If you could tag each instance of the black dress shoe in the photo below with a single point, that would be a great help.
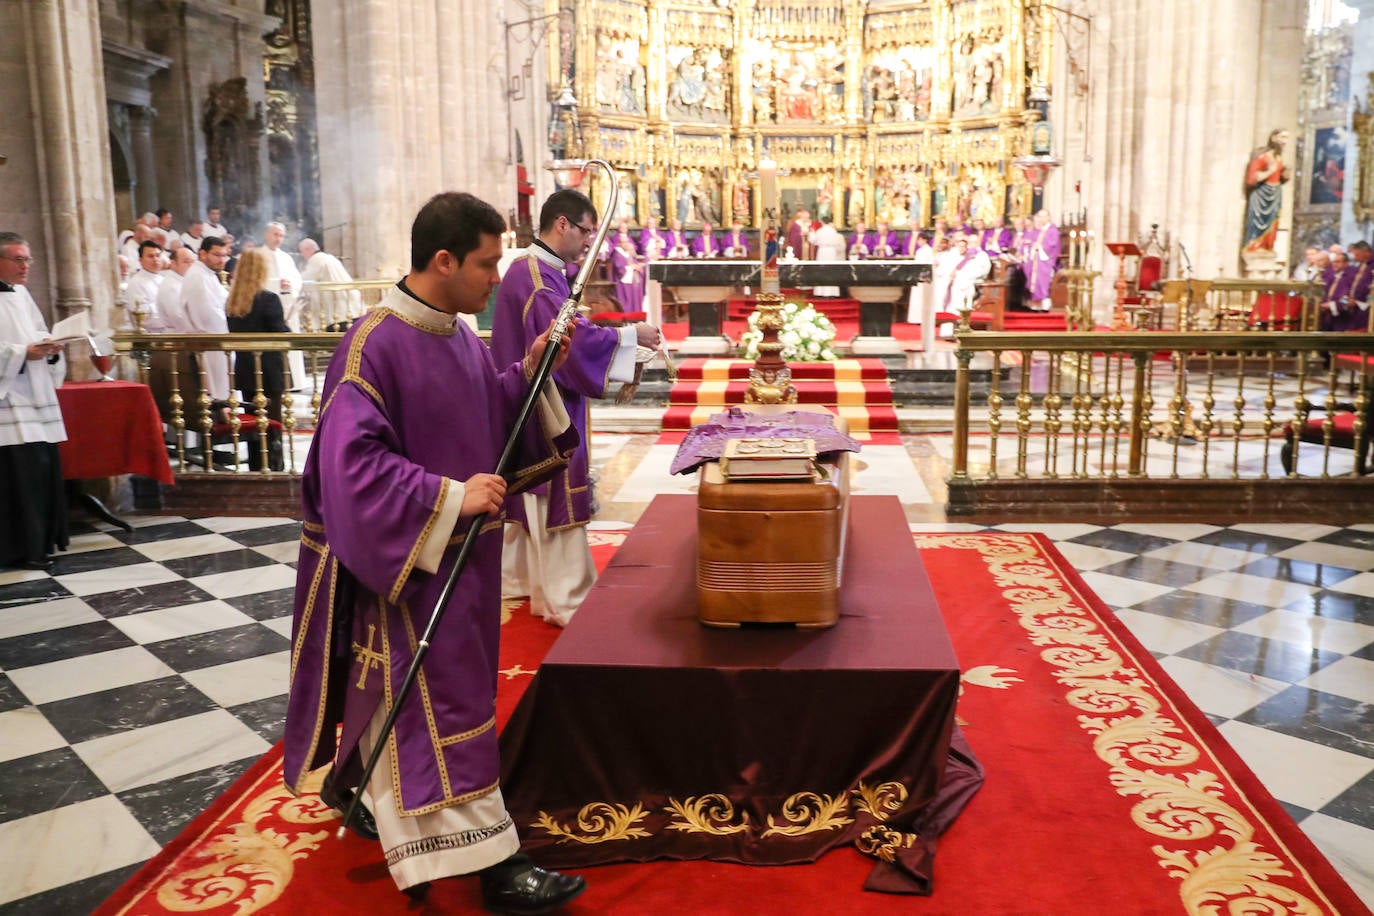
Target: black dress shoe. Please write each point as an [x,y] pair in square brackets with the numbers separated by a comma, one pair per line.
[43,565]
[362,823]
[520,887]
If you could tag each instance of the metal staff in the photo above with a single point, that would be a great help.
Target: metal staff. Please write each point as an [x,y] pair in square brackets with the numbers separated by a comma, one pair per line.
[541,374]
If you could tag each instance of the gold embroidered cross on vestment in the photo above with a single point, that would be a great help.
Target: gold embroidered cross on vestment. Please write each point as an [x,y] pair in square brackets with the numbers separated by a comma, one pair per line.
[369,657]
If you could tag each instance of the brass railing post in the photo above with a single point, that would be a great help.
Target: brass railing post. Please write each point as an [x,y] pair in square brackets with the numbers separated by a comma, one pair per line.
[1140,420]
[961,411]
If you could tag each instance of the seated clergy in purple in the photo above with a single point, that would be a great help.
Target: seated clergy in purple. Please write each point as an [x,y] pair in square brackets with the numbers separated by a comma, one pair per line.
[652,243]
[705,244]
[737,243]
[996,238]
[415,413]
[1357,317]
[546,553]
[1336,302]
[884,242]
[861,242]
[677,241]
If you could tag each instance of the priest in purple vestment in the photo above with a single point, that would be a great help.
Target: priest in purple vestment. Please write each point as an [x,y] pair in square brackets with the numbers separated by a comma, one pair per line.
[705,244]
[628,268]
[737,243]
[415,414]
[1041,260]
[884,242]
[546,553]
[1335,307]
[652,244]
[798,233]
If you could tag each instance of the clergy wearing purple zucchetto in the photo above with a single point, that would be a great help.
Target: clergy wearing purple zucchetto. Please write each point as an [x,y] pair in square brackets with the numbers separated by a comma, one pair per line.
[416,412]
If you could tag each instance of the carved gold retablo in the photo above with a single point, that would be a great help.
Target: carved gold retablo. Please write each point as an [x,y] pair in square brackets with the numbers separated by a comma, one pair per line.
[770,381]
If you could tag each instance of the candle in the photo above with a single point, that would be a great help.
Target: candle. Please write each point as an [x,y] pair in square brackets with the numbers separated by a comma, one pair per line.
[768,183]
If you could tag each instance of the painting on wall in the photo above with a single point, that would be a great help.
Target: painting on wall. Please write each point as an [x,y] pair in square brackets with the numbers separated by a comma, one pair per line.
[1326,166]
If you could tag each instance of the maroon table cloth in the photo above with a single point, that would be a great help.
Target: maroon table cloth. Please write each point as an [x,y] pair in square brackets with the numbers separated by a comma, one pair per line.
[646,735]
[113,428]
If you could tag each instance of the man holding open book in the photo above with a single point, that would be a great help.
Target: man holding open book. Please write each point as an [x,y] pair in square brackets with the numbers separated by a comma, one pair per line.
[33,508]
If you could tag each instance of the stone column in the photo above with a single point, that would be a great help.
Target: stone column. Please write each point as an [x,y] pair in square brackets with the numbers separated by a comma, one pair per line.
[145,163]
[1178,96]
[74,233]
[408,106]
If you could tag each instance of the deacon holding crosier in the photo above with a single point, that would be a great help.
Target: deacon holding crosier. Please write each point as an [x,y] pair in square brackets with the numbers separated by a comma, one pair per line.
[547,556]
[416,412]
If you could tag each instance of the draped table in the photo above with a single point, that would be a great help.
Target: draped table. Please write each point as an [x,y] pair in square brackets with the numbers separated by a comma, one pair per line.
[113,428]
[645,735]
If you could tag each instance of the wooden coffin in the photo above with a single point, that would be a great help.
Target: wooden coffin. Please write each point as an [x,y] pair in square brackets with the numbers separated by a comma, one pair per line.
[771,551]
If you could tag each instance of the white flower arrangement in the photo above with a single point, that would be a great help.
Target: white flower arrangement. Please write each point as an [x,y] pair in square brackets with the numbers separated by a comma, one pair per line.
[806,335]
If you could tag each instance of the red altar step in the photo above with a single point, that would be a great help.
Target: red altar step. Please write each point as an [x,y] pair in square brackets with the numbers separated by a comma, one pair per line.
[855,389]
[1034,321]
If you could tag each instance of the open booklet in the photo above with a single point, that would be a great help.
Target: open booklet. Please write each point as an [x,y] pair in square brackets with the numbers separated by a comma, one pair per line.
[72,328]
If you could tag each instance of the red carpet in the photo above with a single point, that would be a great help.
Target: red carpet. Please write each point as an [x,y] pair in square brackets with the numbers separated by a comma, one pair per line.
[1107,791]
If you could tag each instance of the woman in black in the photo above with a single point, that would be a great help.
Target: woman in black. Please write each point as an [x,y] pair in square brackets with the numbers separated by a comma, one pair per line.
[255,310]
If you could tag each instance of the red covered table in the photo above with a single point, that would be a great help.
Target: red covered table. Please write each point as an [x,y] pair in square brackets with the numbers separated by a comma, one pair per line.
[646,735]
[113,428]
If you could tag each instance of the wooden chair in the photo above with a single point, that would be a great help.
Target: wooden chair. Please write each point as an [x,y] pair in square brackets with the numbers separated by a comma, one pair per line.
[1342,434]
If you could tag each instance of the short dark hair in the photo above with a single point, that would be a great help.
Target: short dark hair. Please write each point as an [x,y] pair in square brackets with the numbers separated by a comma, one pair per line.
[160,212]
[568,202]
[145,245]
[454,222]
[1361,245]
[212,241]
[11,238]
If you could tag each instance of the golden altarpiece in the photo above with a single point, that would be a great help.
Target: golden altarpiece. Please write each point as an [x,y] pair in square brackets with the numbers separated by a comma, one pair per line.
[896,111]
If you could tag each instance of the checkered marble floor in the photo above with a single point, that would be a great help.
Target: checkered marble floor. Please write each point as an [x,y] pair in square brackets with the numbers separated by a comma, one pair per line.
[148,671]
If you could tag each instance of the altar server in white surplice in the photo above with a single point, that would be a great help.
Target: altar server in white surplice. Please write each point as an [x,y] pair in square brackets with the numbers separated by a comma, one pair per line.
[946,259]
[203,298]
[33,510]
[972,268]
[829,245]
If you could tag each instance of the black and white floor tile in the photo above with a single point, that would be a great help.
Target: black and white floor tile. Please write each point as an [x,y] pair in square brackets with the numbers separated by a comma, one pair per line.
[148,670]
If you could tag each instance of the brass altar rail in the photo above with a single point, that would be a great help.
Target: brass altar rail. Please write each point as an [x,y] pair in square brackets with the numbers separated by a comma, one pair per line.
[1088,414]
[265,425]
[1230,304]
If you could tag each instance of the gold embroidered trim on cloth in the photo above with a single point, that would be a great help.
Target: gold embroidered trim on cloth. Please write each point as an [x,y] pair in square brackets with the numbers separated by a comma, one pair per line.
[1151,755]
[801,814]
[598,822]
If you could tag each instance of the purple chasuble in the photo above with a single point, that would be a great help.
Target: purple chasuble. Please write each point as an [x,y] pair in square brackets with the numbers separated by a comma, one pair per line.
[1042,258]
[677,244]
[884,245]
[860,245]
[629,280]
[651,243]
[705,246]
[527,301]
[407,408]
[1338,292]
[739,242]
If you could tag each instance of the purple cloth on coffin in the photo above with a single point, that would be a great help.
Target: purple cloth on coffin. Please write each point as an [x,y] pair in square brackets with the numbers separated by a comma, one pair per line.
[706,441]
[385,443]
